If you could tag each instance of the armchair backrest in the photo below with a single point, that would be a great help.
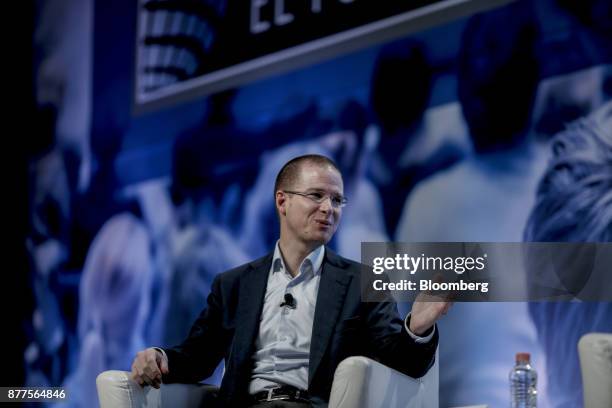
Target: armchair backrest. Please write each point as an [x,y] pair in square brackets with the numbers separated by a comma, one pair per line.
[360,382]
[595,351]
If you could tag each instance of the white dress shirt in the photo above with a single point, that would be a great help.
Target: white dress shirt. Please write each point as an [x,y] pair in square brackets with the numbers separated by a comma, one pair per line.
[282,348]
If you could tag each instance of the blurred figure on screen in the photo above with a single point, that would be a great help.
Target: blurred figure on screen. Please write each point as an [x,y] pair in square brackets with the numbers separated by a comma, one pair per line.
[486,197]
[190,216]
[364,221]
[497,79]
[192,242]
[405,154]
[202,247]
[47,242]
[574,204]
[114,300]
[58,152]
[586,44]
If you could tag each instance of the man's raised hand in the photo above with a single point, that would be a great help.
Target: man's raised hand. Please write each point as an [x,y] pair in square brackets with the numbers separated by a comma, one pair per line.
[426,310]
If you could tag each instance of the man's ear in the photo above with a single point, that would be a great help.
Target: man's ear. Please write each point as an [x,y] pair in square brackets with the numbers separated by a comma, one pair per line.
[281,199]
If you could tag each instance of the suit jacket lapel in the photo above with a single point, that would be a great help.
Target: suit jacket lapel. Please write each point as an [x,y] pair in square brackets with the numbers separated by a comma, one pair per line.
[332,291]
[250,304]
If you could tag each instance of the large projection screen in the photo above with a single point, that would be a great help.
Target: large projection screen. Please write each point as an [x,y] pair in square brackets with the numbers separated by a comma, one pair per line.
[190,48]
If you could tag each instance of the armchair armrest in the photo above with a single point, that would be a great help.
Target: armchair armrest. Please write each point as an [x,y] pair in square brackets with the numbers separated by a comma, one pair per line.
[117,390]
[360,382]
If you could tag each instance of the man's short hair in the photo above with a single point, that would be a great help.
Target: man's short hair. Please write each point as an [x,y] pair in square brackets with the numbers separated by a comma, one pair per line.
[574,199]
[289,174]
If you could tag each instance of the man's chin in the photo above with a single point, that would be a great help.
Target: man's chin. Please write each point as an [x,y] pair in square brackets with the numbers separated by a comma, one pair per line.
[324,239]
[321,239]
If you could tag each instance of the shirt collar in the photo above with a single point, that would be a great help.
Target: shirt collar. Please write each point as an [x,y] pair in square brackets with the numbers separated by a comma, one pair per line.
[315,258]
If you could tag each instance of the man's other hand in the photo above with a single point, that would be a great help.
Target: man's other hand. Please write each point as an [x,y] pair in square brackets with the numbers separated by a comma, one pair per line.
[148,367]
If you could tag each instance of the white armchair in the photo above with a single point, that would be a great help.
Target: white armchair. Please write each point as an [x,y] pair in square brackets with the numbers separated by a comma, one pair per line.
[595,351]
[359,382]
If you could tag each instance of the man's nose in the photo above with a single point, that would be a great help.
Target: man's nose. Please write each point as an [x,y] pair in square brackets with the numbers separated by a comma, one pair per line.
[326,205]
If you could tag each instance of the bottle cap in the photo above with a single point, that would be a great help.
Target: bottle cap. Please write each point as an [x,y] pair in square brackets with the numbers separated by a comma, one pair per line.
[523,357]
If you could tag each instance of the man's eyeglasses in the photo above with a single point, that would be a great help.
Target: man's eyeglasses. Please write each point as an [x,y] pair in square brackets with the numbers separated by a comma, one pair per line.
[337,201]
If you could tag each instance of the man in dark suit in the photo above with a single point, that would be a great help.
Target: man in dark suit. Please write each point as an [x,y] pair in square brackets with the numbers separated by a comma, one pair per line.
[284,322]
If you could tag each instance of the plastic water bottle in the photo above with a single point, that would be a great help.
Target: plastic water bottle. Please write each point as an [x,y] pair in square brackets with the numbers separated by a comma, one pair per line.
[523,380]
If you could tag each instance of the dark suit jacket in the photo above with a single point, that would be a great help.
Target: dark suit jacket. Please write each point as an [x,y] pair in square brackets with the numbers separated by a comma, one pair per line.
[343,327]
